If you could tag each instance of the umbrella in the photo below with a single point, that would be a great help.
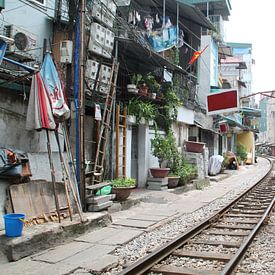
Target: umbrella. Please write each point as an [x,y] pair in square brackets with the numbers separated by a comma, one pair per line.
[54,88]
[39,114]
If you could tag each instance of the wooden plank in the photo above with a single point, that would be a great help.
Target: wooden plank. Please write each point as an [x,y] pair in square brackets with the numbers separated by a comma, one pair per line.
[243,215]
[228,232]
[248,227]
[98,186]
[236,220]
[217,243]
[203,255]
[35,198]
[240,211]
[176,270]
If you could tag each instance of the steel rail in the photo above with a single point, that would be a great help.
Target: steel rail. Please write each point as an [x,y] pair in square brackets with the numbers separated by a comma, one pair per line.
[144,264]
[232,264]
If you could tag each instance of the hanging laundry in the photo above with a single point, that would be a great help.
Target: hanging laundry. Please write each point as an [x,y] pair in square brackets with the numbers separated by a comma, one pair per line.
[148,23]
[138,17]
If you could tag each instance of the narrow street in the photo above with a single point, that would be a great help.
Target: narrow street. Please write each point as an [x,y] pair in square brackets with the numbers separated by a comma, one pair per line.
[158,218]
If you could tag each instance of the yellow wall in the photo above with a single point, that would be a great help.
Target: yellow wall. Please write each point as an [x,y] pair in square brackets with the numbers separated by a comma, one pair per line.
[247,139]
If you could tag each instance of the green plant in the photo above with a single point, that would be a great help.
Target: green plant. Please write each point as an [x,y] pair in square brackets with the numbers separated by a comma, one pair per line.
[241,152]
[124,182]
[141,109]
[226,161]
[136,79]
[170,109]
[152,83]
[162,146]
[175,56]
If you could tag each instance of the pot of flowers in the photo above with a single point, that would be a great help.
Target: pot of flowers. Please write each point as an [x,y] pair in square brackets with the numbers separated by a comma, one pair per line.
[173,180]
[122,188]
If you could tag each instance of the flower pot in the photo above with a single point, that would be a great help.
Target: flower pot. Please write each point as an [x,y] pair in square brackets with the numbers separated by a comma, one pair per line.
[173,181]
[132,88]
[195,147]
[159,172]
[131,119]
[122,193]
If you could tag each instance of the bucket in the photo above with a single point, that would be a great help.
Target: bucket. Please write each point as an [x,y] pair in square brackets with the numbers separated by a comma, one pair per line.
[13,224]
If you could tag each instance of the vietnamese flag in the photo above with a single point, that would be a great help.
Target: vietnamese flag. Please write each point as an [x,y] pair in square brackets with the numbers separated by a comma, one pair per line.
[196,55]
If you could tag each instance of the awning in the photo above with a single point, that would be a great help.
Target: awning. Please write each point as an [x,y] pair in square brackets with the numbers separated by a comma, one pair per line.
[224,51]
[131,50]
[186,11]
[251,111]
[199,125]
[194,15]
[222,7]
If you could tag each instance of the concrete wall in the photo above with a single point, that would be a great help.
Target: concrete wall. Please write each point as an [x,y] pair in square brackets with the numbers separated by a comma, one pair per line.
[208,68]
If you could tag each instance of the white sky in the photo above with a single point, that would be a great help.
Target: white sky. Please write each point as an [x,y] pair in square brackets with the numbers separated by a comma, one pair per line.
[252,21]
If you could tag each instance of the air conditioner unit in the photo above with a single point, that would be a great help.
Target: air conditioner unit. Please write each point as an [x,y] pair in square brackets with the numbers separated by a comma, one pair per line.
[66,51]
[24,42]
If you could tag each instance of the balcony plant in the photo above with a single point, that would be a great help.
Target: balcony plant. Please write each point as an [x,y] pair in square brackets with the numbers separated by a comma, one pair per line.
[123,187]
[170,109]
[135,82]
[143,111]
[153,85]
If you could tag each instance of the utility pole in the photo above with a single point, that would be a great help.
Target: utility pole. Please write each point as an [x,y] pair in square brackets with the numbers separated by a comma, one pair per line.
[81,114]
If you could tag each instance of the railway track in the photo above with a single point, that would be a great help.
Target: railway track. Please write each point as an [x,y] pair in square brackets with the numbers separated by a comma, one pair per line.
[219,242]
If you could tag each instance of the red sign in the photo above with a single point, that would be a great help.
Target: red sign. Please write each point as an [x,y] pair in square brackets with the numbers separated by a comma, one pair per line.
[223,127]
[222,102]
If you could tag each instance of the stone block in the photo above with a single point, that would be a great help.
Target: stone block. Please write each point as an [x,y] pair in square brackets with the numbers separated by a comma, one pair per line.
[100,206]
[62,252]
[157,188]
[100,199]
[162,180]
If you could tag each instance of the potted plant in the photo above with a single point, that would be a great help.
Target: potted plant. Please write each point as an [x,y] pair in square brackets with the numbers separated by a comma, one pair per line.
[122,187]
[241,153]
[143,111]
[153,85]
[135,81]
[173,180]
[161,148]
[193,146]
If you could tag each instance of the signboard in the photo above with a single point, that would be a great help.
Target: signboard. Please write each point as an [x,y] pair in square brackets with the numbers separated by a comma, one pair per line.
[223,102]
[223,127]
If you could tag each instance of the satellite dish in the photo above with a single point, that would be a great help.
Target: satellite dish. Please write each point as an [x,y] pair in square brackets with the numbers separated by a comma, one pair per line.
[21,41]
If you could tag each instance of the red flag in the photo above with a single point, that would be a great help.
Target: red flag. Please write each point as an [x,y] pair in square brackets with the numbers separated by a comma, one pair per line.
[196,55]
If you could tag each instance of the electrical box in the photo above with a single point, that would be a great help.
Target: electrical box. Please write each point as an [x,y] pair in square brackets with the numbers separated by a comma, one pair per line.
[2,4]
[66,51]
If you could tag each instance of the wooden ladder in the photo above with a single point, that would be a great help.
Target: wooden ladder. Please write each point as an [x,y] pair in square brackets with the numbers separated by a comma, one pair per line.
[98,168]
[121,135]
